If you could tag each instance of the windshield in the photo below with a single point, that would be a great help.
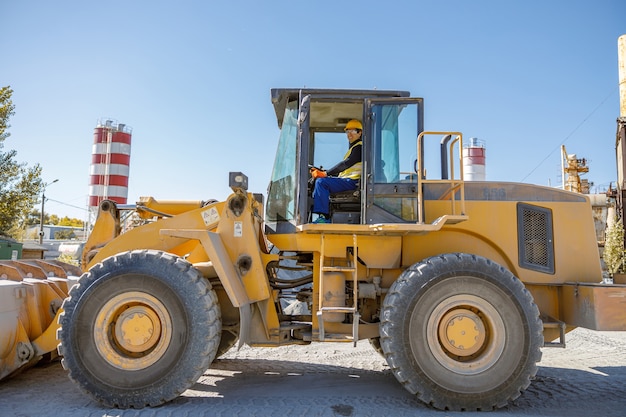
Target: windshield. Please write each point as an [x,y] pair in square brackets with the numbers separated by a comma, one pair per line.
[281,195]
[329,148]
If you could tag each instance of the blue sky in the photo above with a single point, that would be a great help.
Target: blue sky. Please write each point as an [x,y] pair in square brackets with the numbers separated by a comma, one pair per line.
[192,78]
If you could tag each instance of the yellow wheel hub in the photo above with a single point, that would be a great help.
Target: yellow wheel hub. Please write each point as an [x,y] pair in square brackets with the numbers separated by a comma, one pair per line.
[465,334]
[132,330]
[461,332]
[137,329]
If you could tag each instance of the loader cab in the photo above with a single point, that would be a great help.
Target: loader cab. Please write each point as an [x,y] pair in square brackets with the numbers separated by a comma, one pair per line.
[312,123]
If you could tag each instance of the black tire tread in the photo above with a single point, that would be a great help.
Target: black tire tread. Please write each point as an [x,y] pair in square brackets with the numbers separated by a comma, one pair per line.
[204,299]
[397,301]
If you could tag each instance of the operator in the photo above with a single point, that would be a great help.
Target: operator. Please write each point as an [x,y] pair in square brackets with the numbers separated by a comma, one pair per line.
[342,177]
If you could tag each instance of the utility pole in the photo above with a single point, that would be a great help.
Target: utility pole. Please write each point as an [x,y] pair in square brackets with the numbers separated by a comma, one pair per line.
[620,137]
[43,200]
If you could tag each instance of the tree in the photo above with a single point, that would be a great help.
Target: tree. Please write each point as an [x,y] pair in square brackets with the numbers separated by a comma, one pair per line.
[66,221]
[614,254]
[54,219]
[20,185]
[6,111]
[65,234]
[34,217]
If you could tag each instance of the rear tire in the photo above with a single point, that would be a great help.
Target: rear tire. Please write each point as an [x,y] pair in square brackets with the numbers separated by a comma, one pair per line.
[461,333]
[140,328]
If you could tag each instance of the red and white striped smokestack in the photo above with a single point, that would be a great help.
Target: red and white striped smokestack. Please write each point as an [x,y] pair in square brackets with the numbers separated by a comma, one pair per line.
[474,159]
[110,163]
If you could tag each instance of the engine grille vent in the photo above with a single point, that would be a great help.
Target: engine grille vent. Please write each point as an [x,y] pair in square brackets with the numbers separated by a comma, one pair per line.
[535,235]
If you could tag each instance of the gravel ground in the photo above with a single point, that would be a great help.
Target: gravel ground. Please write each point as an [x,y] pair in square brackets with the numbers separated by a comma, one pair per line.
[587,378]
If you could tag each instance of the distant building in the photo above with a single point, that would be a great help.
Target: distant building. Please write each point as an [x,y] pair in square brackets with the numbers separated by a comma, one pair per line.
[56,232]
[32,250]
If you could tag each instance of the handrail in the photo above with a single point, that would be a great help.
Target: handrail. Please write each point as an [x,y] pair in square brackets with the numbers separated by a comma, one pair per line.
[455,183]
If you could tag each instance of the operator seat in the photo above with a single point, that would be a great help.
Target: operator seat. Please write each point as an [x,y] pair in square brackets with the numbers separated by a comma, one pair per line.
[345,206]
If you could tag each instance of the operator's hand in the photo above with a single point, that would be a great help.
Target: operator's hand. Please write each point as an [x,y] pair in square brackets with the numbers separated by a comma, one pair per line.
[318,173]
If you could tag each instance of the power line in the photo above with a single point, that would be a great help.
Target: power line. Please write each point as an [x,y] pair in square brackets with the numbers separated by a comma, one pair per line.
[558,147]
[69,205]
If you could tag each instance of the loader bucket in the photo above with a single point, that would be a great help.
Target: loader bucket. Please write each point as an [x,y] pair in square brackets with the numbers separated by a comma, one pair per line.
[31,294]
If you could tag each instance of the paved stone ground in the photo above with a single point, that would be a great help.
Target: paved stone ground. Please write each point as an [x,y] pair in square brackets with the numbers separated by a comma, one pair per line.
[588,378]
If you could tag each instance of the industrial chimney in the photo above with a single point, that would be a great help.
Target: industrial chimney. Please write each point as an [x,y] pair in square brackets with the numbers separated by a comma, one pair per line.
[110,162]
[474,157]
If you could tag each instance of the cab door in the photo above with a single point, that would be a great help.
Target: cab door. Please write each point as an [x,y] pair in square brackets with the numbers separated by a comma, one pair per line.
[390,154]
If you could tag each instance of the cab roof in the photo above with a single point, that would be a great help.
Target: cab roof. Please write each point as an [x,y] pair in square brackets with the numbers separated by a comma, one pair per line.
[282,96]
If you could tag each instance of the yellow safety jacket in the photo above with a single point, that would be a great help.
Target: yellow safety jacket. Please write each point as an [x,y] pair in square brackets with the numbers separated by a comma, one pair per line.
[353,172]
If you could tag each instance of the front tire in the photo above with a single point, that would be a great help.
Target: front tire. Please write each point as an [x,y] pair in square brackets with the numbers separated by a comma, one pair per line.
[461,333]
[139,329]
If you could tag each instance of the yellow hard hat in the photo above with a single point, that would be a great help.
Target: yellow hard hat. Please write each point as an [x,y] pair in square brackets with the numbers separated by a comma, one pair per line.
[353,124]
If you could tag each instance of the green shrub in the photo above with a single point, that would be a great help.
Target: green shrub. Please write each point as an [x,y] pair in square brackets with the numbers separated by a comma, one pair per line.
[613,254]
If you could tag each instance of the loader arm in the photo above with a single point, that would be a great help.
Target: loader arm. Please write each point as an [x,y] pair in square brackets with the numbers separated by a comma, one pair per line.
[226,236]
[107,238]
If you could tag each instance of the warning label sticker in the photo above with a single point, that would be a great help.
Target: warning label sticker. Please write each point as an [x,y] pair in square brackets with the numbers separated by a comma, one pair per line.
[210,216]
[238,232]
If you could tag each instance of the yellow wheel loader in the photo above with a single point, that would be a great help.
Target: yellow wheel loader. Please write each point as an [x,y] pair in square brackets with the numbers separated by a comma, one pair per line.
[457,284]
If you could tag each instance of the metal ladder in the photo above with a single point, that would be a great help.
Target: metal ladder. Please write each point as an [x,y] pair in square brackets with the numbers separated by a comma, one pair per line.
[351,266]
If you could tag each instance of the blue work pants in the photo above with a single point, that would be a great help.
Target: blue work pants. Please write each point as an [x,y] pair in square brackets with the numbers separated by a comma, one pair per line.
[324,187]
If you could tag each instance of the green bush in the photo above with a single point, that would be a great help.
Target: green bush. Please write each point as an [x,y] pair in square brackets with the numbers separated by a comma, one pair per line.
[613,254]
[68,259]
